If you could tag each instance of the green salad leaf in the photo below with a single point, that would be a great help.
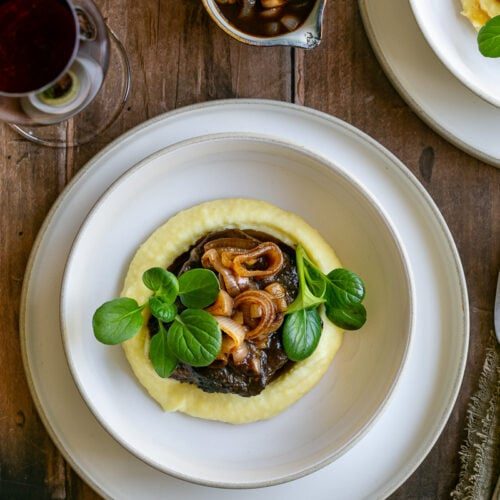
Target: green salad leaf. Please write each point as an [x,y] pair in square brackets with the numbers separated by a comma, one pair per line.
[301,333]
[347,287]
[163,283]
[305,299]
[344,293]
[117,320]
[195,337]
[351,318]
[488,38]
[315,279]
[162,310]
[341,292]
[163,360]
[198,288]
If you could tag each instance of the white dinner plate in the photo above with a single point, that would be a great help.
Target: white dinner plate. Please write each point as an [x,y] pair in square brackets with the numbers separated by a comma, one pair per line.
[435,94]
[424,397]
[454,40]
[328,420]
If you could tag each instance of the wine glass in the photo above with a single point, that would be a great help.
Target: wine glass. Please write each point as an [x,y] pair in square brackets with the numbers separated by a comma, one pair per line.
[64,75]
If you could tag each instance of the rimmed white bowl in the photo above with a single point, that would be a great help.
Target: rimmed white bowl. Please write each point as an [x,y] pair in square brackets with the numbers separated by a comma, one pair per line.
[454,40]
[328,420]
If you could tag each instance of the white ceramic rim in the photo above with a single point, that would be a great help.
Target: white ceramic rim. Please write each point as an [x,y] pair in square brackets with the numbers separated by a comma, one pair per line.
[464,334]
[495,101]
[428,119]
[327,164]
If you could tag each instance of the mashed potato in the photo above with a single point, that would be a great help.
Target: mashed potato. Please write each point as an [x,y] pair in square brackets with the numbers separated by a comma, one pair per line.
[175,237]
[480,11]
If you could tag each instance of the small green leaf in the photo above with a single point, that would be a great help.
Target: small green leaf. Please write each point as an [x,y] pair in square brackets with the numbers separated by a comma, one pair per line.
[350,318]
[195,337]
[347,287]
[342,292]
[117,321]
[162,310]
[163,360]
[488,38]
[198,288]
[163,283]
[315,279]
[305,298]
[301,333]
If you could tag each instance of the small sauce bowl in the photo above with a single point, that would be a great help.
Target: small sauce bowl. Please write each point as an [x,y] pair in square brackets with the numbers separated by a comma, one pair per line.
[306,36]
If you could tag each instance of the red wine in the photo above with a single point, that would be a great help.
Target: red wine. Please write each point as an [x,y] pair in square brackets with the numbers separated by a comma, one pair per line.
[37,41]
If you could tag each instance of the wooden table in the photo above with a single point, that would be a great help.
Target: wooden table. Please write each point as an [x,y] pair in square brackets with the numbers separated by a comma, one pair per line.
[180,57]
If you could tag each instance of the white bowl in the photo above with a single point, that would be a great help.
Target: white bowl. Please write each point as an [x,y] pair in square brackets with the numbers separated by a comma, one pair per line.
[325,422]
[454,40]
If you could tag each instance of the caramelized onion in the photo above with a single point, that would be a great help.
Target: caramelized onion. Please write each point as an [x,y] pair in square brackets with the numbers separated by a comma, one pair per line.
[255,364]
[223,305]
[231,243]
[268,310]
[233,342]
[245,284]
[238,317]
[225,350]
[211,259]
[227,255]
[271,4]
[240,353]
[278,321]
[247,317]
[277,290]
[232,329]
[270,251]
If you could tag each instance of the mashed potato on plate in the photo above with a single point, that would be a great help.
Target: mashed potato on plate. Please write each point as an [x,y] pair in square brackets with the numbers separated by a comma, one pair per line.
[480,11]
[175,237]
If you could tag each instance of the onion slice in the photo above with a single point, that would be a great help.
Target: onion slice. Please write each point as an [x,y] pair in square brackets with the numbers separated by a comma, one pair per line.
[231,244]
[232,329]
[233,342]
[277,290]
[267,307]
[270,251]
[223,305]
[240,354]
[211,259]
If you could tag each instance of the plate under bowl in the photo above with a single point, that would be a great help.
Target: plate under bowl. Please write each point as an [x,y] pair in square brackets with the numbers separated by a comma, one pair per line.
[454,40]
[324,423]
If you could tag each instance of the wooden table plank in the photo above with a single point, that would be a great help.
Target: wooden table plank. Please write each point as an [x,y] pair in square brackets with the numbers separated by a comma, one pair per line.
[179,57]
[31,178]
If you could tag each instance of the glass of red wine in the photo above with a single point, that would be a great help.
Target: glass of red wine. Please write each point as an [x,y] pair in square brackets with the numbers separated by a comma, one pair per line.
[64,76]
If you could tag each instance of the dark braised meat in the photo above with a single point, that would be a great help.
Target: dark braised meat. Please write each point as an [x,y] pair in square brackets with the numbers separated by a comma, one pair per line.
[262,365]
[242,379]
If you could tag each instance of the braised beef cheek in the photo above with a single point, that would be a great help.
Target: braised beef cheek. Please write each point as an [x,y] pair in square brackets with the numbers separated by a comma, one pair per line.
[244,379]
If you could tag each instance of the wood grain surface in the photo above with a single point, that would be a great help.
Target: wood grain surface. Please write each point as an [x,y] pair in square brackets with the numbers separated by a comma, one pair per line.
[179,57]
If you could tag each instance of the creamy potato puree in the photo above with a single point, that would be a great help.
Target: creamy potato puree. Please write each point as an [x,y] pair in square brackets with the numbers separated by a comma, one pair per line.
[175,237]
[491,7]
[480,11]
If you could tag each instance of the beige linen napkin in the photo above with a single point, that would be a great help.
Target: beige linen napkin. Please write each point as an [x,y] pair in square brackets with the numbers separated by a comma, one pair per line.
[480,452]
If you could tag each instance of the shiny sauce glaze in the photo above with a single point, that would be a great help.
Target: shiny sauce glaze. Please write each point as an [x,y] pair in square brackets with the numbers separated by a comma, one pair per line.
[266,18]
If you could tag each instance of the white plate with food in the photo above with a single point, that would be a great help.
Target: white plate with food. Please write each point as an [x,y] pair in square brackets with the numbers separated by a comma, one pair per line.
[450,27]
[435,94]
[244,326]
[423,398]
